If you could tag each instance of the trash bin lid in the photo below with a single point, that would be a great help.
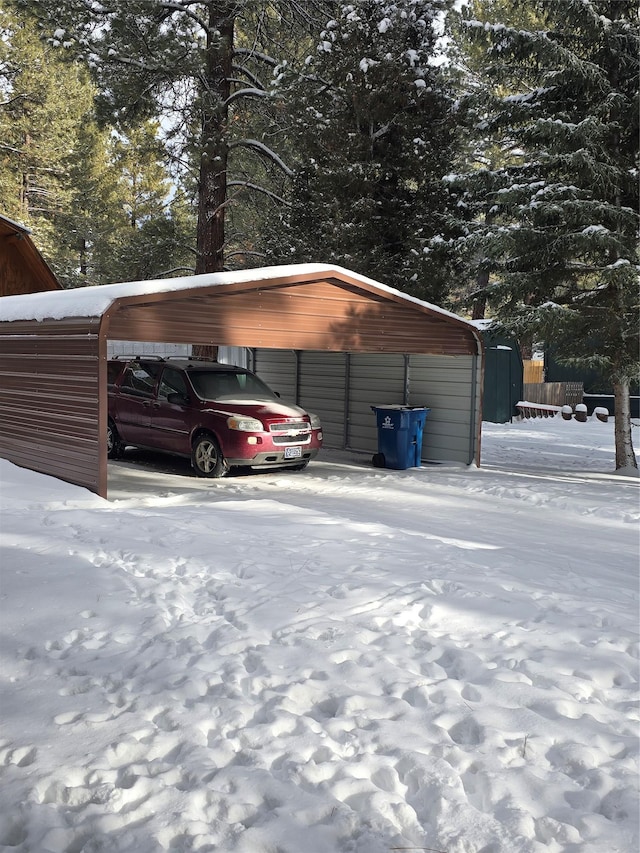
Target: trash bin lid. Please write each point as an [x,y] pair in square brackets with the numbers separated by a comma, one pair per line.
[400,407]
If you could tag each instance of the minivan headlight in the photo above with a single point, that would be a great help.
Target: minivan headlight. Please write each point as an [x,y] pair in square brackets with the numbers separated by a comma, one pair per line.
[315,421]
[245,424]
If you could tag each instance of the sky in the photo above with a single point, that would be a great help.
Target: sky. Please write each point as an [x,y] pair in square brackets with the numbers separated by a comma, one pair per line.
[341,660]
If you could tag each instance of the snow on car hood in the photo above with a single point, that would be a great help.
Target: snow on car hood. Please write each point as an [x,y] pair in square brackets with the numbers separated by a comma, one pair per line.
[257,408]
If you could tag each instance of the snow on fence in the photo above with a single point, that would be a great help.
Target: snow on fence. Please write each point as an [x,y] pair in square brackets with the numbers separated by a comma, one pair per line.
[554,393]
[529,409]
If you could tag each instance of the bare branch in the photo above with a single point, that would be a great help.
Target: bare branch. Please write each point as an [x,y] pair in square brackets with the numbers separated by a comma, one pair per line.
[10,148]
[254,54]
[244,252]
[171,273]
[256,188]
[135,63]
[21,96]
[249,75]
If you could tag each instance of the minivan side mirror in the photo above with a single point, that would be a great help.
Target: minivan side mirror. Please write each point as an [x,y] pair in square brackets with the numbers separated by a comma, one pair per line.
[177,399]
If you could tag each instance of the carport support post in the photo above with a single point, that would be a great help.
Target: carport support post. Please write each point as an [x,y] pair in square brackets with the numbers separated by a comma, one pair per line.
[345,402]
[405,401]
[296,354]
[474,408]
[103,411]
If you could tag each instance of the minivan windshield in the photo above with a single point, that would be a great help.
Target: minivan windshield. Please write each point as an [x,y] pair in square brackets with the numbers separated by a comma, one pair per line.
[228,385]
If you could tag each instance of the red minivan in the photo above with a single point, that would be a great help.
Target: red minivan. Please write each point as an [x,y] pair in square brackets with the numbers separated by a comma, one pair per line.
[217,415]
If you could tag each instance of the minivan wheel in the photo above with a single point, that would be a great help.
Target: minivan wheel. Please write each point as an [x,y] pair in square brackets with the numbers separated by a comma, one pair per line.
[115,446]
[207,458]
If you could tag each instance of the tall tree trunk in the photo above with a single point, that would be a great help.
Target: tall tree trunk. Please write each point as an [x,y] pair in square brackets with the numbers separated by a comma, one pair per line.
[83,258]
[212,194]
[479,306]
[480,297]
[215,91]
[625,456]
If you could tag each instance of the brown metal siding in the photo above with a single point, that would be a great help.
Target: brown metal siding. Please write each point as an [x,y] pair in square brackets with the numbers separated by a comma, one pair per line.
[22,267]
[341,388]
[320,316]
[49,399]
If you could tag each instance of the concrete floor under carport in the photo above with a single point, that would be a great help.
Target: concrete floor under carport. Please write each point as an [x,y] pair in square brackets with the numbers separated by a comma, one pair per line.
[145,476]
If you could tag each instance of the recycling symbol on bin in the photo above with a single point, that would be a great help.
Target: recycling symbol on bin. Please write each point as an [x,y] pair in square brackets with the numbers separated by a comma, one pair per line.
[387,423]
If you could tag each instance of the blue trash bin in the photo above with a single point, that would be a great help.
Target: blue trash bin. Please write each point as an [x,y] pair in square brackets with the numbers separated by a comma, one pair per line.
[399,436]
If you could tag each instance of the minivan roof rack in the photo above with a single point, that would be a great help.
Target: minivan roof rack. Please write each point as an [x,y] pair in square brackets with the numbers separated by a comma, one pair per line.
[192,358]
[136,357]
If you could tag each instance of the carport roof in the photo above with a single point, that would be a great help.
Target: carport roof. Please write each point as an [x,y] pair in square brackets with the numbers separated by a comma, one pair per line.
[96,301]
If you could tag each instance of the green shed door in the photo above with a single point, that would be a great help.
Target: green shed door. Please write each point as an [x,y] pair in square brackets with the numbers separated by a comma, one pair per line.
[497,404]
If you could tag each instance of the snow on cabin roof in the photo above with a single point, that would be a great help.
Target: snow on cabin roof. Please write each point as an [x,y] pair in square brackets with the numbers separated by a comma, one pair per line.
[95,301]
[15,224]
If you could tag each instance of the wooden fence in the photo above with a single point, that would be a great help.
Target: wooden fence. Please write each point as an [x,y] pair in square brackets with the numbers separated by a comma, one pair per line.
[554,393]
[533,371]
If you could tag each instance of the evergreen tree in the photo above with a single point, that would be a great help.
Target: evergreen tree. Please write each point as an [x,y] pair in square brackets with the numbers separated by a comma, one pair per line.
[43,107]
[98,205]
[484,156]
[88,226]
[196,65]
[372,124]
[561,243]
[156,235]
[138,159]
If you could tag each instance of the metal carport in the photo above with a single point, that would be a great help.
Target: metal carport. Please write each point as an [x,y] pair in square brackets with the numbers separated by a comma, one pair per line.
[53,351]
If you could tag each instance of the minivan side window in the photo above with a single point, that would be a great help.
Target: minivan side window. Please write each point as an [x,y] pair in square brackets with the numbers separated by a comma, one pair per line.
[172,382]
[113,371]
[138,380]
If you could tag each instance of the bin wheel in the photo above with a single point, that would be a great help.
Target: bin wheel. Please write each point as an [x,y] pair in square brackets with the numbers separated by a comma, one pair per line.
[378,460]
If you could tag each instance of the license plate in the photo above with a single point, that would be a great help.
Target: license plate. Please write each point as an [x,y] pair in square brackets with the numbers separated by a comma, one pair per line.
[292,452]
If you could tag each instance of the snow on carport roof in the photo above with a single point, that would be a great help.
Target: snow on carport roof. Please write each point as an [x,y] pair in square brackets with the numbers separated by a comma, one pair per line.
[95,301]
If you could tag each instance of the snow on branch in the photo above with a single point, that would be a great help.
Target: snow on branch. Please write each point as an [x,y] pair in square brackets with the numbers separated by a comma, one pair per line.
[245,93]
[257,188]
[114,56]
[254,54]
[261,148]
[381,131]
[185,9]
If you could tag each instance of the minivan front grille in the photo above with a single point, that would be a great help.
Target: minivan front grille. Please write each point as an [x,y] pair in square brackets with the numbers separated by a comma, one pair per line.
[298,438]
[287,426]
[291,432]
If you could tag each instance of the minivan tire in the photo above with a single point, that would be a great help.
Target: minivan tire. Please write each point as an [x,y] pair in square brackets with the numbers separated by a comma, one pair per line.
[115,445]
[206,457]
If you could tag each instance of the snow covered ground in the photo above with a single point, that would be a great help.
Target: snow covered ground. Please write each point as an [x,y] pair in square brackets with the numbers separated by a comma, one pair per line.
[344,660]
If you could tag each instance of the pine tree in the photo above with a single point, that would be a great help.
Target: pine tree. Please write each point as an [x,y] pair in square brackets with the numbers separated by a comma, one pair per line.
[561,243]
[484,157]
[88,226]
[372,125]
[155,238]
[197,66]
[43,105]
[74,184]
